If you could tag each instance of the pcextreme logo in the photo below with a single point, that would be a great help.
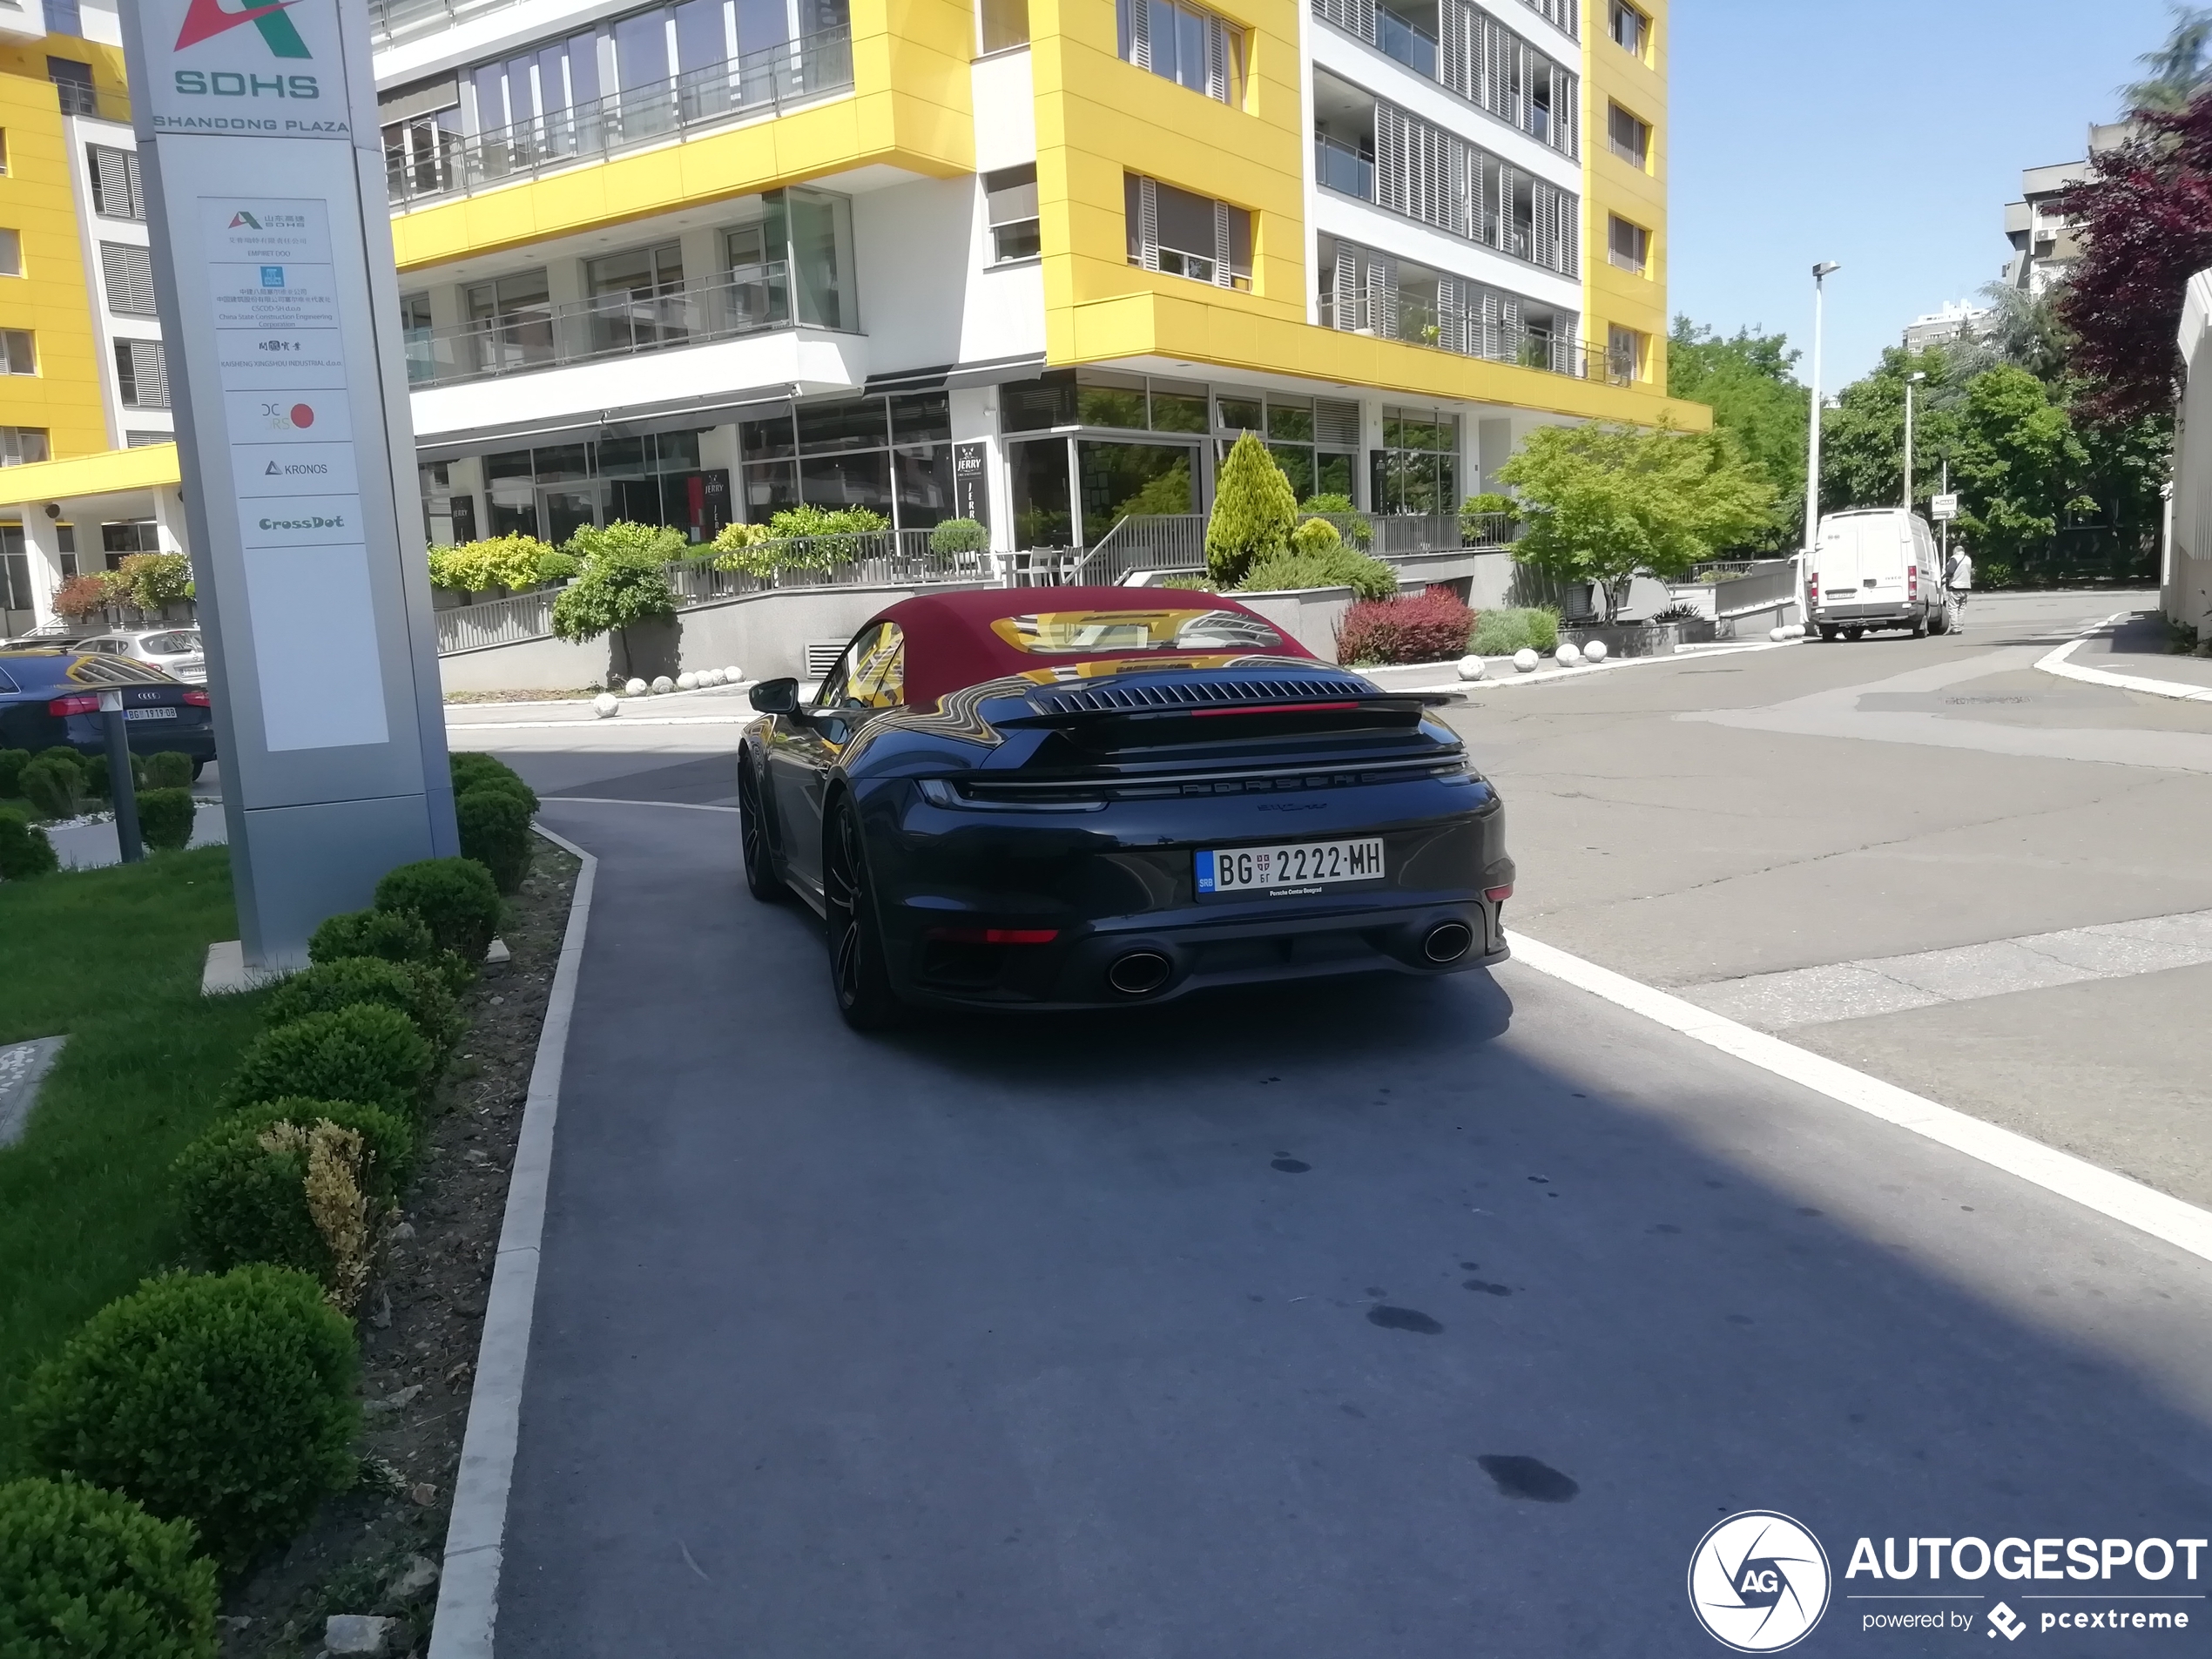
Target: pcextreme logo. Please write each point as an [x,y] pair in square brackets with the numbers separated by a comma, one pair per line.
[208,18]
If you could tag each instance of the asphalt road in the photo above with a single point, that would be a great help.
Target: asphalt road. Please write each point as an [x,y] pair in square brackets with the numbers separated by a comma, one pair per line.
[1388,1318]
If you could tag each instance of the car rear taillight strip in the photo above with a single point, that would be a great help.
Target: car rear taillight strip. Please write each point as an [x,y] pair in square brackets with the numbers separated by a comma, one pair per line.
[78,703]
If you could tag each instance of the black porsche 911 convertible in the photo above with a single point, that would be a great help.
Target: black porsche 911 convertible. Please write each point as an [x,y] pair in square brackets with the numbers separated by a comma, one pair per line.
[1059,798]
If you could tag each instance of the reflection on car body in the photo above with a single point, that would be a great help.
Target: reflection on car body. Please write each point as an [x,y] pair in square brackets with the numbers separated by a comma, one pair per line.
[994,803]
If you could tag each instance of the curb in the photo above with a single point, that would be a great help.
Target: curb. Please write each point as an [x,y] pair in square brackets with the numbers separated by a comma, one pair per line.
[1555,675]
[2168,1219]
[2055,663]
[469,1586]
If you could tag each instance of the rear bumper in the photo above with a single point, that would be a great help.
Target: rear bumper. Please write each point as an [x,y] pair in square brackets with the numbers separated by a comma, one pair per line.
[1208,950]
[1878,614]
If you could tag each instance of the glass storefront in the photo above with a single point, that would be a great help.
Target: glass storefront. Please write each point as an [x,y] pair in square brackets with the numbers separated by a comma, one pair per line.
[553,492]
[892,456]
[1417,469]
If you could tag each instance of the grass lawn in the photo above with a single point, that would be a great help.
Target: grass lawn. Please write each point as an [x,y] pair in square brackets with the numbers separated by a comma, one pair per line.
[113,958]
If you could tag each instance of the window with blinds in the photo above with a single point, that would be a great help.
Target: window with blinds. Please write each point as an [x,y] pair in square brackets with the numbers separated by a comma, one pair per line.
[1427,174]
[1479,57]
[142,374]
[118,192]
[1187,235]
[1188,46]
[18,352]
[1010,204]
[128,273]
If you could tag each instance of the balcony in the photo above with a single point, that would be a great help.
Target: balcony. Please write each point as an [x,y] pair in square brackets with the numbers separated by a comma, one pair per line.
[757,84]
[756,299]
[1515,82]
[1410,45]
[1339,167]
[1416,322]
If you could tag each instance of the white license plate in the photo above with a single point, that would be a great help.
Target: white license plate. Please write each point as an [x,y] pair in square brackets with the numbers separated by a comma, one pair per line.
[1279,869]
[149,714]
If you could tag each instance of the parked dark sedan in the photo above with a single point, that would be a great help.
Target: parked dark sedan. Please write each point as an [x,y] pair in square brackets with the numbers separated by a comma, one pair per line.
[51,697]
[1085,797]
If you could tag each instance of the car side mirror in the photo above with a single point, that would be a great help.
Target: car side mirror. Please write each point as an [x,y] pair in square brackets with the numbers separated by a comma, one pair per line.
[776,697]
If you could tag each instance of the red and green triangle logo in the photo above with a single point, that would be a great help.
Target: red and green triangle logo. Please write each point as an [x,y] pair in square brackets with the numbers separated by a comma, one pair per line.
[207,18]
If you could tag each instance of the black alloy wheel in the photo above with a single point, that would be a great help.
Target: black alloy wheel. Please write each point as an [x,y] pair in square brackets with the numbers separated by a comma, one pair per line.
[857,970]
[760,879]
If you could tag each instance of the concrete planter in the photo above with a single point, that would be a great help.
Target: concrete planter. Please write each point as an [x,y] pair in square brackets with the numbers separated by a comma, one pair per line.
[1632,639]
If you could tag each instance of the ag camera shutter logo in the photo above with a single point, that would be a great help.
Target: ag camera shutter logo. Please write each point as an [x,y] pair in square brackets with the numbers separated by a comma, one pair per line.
[1758,1581]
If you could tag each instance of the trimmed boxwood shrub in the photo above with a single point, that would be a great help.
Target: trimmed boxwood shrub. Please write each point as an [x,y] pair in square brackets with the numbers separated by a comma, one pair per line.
[391,935]
[414,989]
[472,769]
[24,849]
[495,832]
[1424,628]
[455,898]
[226,1400]
[165,818]
[248,1196]
[366,1052]
[12,761]
[86,1572]
[167,769]
[54,783]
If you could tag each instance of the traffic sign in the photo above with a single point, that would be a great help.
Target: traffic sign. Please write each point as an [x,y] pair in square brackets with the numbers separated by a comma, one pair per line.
[1943,507]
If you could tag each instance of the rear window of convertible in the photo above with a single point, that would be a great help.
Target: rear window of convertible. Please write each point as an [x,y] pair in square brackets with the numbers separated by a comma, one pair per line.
[1127,633]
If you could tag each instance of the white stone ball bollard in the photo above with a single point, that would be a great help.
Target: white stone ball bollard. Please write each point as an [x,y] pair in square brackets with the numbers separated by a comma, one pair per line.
[732,674]
[663,685]
[605,704]
[1525,659]
[1796,631]
[1777,635]
[687,681]
[1472,668]
[1569,655]
[1595,651]
[711,677]
[636,688]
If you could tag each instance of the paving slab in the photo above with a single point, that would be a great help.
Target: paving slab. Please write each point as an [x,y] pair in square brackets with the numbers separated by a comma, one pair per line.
[24,1066]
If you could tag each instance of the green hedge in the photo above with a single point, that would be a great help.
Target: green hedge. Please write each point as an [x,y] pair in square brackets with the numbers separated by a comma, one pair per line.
[455,898]
[87,1573]
[54,784]
[24,850]
[12,761]
[167,769]
[165,819]
[244,1187]
[416,989]
[226,1400]
[495,832]
[1503,631]
[365,1053]
[471,769]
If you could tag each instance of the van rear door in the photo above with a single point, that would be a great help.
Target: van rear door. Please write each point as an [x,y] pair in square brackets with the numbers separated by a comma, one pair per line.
[1835,562]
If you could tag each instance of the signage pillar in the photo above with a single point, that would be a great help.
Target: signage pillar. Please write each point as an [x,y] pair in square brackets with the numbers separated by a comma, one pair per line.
[279,310]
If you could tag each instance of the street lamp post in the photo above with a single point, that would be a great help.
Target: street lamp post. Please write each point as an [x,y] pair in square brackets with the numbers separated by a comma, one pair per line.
[1910,382]
[1821,272]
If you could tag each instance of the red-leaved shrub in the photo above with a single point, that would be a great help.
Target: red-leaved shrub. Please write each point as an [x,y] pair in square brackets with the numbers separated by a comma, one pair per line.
[1430,627]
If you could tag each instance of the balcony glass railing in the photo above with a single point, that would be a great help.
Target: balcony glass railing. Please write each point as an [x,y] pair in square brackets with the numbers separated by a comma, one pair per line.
[1340,167]
[757,84]
[1420,323]
[749,301]
[1412,47]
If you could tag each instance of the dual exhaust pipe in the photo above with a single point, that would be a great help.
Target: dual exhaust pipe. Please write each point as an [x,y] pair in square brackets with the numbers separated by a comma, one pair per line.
[1141,973]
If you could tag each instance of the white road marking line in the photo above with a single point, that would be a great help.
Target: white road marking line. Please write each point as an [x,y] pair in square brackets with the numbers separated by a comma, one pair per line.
[475,1551]
[2168,1219]
[1878,984]
[613,723]
[2056,663]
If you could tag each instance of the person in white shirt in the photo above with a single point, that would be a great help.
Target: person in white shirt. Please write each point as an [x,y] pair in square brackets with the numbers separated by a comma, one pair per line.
[1959,582]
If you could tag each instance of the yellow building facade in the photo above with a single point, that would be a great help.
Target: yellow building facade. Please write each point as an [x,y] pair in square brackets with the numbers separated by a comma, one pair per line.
[1036,262]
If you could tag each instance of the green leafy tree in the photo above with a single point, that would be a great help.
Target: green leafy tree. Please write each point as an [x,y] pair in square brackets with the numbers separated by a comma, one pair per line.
[1254,512]
[2018,463]
[1862,439]
[2178,69]
[1601,503]
[619,588]
[1747,380]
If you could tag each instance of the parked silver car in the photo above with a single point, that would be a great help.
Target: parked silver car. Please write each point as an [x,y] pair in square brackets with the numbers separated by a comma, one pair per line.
[176,651]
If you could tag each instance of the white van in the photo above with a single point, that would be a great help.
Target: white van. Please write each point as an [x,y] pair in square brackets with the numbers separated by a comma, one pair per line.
[1874,567]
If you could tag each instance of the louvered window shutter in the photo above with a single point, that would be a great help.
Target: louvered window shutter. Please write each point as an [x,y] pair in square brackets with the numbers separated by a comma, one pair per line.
[129,272]
[1222,277]
[1140,32]
[1382,295]
[1148,230]
[1216,61]
[1347,288]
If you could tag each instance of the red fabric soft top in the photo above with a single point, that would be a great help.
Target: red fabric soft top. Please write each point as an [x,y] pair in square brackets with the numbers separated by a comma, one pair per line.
[949,642]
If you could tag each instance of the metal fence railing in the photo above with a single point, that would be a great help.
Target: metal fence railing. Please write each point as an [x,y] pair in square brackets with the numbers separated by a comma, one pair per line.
[1177,541]
[756,83]
[1467,334]
[1765,583]
[751,300]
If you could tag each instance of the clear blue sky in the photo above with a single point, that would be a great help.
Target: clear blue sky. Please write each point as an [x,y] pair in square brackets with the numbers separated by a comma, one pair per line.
[1886,134]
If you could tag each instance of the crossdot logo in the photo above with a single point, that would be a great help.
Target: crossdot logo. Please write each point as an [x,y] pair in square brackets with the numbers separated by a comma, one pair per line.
[1759,1582]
